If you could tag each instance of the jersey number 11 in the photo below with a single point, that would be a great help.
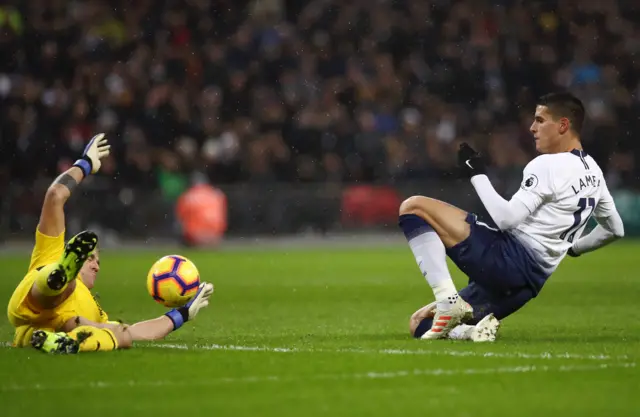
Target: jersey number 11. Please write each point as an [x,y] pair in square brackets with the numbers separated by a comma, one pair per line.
[578,221]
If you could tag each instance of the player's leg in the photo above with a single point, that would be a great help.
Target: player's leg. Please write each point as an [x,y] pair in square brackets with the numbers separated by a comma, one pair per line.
[49,341]
[80,339]
[488,310]
[421,321]
[431,227]
[448,221]
[93,339]
[52,280]
[485,330]
[46,287]
[23,334]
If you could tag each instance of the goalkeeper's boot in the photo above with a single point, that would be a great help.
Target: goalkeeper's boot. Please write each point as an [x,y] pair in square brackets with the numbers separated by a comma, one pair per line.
[486,330]
[445,320]
[50,342]
[76,252]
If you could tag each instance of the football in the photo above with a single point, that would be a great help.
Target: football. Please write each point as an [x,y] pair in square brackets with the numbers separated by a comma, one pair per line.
[173,280]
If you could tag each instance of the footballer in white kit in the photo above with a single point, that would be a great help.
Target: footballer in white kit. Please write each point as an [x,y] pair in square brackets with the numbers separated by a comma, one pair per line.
[544,221]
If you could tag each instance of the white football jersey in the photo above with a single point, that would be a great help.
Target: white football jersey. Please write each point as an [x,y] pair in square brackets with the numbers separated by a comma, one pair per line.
[562,191]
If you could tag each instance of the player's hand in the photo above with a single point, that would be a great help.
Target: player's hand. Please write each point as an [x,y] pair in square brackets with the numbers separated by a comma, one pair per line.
[189,311]
[200,300]
[97,149]
[572,253]
[470,161]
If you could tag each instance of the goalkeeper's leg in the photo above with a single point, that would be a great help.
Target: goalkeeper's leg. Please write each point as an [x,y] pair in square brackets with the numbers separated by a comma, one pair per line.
[80,339]
[52,280]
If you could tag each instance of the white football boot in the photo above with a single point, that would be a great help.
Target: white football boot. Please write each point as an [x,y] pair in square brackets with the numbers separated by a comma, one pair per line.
[486,330]
[445,320]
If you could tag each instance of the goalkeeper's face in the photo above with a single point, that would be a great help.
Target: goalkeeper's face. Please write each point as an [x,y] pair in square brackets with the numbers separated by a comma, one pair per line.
[89,271]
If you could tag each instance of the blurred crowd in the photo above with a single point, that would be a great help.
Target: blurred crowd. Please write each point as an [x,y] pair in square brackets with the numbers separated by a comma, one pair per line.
[308,91]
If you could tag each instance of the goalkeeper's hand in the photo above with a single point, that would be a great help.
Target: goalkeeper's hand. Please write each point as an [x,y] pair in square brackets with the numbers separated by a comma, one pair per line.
[97,149]
[200,300]
[470,161]
[189,311]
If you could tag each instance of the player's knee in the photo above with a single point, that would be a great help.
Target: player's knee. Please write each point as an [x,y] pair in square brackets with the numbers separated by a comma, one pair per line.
[414,322]
[422,319]
[411,205]
[414,218]
[421,206]
[419,326]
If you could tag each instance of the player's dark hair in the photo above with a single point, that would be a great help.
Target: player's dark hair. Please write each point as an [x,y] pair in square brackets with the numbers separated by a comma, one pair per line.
[567,105]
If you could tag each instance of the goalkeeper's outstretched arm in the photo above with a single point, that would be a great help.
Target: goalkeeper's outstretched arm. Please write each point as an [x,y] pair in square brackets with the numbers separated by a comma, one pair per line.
[148,330]
[154,329]
[52,214]
[52,221]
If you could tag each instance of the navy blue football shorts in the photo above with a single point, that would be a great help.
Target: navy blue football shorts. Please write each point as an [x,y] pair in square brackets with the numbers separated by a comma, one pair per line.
[503,275]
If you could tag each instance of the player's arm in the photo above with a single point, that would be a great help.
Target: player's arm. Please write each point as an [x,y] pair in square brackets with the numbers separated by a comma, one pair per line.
[506,214]
[78,321]
[609,229]
[52,215]
[52,224]
[154,329]
[145,330]
[160,327]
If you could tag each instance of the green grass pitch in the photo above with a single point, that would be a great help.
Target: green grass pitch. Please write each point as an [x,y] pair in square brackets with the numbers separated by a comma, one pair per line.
[323,332]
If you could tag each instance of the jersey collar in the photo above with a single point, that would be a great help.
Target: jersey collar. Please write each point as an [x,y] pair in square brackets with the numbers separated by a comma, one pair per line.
[578,153]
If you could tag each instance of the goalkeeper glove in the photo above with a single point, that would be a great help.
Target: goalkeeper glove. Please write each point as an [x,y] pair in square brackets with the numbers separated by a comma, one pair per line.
[97,149]
[187,312]
[470,161]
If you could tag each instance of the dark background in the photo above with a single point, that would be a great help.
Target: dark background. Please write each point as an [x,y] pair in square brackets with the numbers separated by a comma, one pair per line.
[286,105]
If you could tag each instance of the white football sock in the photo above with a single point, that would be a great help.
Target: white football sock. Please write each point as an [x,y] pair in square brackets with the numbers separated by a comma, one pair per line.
[431,257]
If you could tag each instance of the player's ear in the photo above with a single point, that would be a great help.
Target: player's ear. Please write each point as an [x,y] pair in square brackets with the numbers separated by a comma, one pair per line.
[564,125]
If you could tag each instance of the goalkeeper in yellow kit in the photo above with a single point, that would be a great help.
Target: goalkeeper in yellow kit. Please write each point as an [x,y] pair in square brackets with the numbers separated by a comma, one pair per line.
[52,309]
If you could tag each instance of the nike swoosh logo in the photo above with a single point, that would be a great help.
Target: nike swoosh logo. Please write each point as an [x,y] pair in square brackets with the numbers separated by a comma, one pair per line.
[468,164]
